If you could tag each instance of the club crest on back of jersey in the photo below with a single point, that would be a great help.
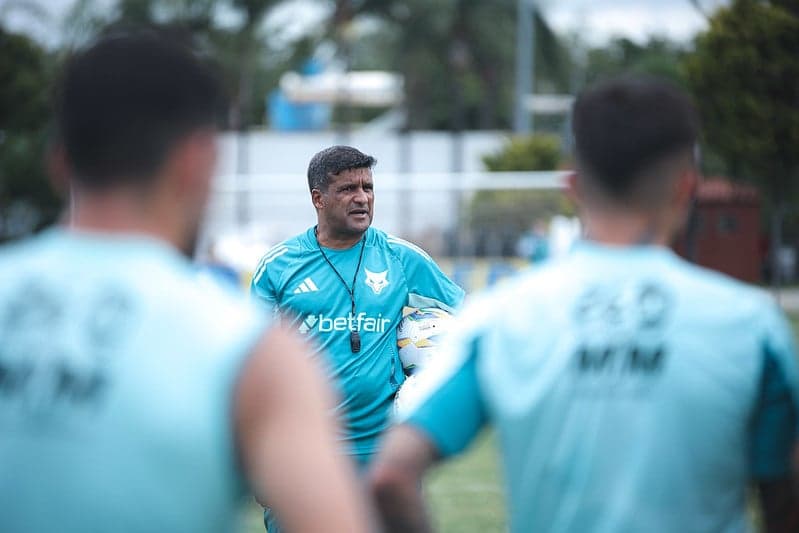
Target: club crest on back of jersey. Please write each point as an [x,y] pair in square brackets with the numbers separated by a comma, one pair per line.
[377,281]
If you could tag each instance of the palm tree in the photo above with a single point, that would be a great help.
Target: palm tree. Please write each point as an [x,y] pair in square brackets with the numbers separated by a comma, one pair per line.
[446,46]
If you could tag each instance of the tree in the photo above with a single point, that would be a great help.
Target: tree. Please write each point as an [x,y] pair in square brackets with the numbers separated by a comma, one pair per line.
[506,214]
[27,202]
[248,46]
[241,51]
[457,58]
[657,57]
[744,75]
[534,152]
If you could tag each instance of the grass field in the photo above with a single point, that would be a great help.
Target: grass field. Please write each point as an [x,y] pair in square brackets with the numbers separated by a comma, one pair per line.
[795,321]
[466,495]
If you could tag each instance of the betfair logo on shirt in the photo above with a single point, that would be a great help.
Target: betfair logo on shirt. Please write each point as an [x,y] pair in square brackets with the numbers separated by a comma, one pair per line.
[308,324]
[359,322]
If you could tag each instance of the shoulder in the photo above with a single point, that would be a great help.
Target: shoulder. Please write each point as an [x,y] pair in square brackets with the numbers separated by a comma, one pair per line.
[402,249]
[532,296]
[739,313]
[25,267]
[549,281]
[717,290]
[281,255]
[24,249]
[491,305]
[213,325]
[218,298]
[219,313]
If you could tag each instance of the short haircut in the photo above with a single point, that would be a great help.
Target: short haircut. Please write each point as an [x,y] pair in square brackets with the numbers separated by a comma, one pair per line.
[125,102]
[623,128]
[334,160]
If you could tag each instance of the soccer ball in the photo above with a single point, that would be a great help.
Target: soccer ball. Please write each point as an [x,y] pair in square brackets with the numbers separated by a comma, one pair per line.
[418,336]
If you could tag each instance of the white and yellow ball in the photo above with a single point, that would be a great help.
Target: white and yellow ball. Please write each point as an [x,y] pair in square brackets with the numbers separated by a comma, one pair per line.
[419,335]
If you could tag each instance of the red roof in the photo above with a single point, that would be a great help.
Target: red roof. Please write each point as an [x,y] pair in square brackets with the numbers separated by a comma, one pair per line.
[717,189]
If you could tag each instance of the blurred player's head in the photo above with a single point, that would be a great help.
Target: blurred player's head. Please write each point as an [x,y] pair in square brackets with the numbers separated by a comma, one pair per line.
[342,190]
[634,143]
[136,116]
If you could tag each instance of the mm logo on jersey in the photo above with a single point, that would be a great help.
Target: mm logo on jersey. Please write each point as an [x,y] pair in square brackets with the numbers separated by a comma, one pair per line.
[359,322]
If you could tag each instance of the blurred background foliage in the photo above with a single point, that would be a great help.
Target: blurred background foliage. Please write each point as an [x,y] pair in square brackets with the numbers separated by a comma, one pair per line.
[457,59]
[533,152]
[505,214]
[744,75]
[26,198]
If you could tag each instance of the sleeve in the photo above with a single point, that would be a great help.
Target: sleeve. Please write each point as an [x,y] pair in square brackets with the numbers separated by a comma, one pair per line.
[428,286]
[775,422]
[261,287]
[449,386]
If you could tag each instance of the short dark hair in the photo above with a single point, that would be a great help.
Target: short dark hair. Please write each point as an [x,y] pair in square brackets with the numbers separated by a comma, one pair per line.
[622,127]
[334,160]
[122,104]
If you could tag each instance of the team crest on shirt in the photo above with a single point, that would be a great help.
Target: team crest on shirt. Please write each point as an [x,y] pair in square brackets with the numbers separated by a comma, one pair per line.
[377,281]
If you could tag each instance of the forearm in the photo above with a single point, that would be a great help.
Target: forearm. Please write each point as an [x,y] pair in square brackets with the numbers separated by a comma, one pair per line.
[310,489]
[288,441]
[396,479]
[399,501]
[779,502]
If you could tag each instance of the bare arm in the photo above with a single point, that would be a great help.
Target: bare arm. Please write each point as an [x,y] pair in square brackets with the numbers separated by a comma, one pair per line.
[774,447]
[287,440]
[396,477]
[780,505]
[779,500]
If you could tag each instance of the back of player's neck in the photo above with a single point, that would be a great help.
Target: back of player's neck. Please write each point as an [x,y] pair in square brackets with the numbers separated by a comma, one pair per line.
[629,229]
[335,241]
[112,214]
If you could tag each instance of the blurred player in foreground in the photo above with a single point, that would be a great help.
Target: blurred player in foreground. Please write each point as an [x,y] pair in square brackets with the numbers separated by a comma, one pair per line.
[132,396]
[630,390]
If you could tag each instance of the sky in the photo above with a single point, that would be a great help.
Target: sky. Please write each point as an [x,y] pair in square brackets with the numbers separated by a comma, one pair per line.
[593,21]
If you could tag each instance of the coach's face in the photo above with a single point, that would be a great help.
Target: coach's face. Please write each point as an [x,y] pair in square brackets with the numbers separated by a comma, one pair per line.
[347,206]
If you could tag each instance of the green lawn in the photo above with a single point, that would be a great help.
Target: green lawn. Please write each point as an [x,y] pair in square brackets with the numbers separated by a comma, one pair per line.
[466,495]
[795,321]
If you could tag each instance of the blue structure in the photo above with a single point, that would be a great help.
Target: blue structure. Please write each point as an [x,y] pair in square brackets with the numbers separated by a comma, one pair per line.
[285,115]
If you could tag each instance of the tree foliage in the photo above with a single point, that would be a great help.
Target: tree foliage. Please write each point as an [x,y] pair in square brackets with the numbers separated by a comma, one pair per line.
[533,152]
[248,64]
[621,56]
[744,75]
[508,213]
[26,199]
[27,71]
[457,57]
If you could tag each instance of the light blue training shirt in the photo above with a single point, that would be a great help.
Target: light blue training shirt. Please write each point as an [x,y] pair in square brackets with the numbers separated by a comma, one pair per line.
[117,370]
[631,391]
[294,278]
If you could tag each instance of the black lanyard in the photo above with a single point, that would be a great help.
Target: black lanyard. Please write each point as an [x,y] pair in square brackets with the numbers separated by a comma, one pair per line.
[355,336]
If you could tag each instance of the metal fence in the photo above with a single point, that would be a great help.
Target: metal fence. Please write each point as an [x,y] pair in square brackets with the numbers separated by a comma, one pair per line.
[249,213]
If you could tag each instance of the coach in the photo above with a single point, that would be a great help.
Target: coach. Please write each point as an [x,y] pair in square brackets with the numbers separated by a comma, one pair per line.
[344,283]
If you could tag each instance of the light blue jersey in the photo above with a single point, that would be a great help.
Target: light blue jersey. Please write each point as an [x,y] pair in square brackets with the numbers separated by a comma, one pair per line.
[630,390]
[117,370]
[294,278]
